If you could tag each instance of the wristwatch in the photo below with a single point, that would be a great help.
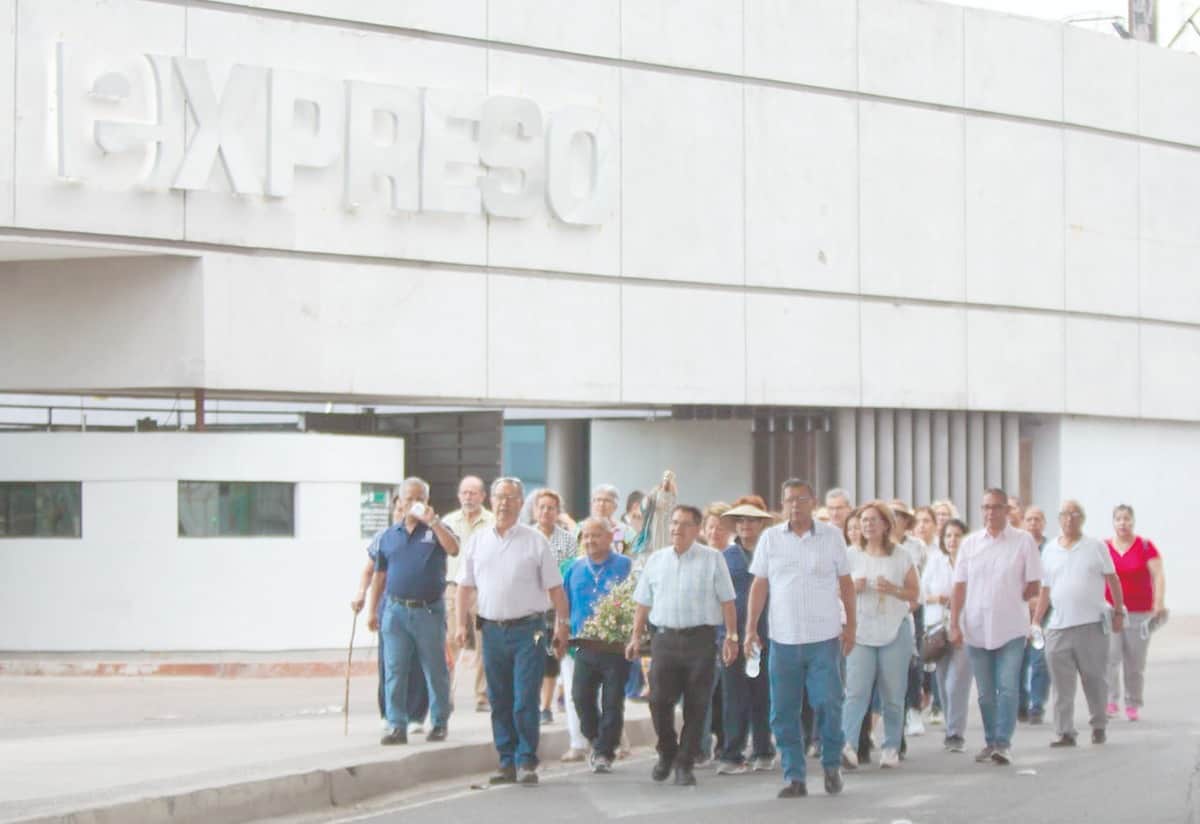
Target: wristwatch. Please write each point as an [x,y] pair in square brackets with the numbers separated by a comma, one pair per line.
[732,637]
[562,622]
[437,519]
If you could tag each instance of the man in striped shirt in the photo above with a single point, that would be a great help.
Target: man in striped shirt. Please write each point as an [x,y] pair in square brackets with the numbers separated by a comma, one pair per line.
[685,594]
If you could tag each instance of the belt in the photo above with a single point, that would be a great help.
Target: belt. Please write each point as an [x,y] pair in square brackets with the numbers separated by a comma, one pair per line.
[686,630]
[411,603]
[537,616]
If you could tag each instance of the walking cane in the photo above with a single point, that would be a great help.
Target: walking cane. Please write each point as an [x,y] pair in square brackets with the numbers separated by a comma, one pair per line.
[349,655]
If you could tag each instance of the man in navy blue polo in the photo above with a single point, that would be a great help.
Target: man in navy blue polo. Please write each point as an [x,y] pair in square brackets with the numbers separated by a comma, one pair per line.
[410,568]
[598,673]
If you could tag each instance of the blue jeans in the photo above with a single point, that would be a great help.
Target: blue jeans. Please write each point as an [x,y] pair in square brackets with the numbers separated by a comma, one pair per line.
[887,667]
[997,677]
[415,635]
[1035,681]
[514,660]
[746,710]
[795,669]
[418,694]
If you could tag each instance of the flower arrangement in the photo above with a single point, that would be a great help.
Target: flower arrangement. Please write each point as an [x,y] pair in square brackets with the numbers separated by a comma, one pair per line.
[611,623]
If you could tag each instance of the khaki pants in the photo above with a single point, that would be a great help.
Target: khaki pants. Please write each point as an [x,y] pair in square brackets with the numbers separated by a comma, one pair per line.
[473,640]
[1127,655]
[1083,650]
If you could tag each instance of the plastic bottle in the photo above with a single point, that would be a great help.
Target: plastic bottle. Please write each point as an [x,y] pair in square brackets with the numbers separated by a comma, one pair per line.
[1038,639]
[754,663]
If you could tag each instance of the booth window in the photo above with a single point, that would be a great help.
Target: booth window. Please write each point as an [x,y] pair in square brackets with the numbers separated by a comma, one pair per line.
[231,509]
[40,510]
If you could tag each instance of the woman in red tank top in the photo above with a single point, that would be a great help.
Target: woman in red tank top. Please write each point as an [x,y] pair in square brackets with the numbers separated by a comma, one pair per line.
[1140,569]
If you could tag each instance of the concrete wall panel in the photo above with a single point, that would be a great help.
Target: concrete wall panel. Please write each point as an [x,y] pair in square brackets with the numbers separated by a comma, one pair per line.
[911,195]
[1103,367]
[682,178]
[897,338]
[1100,80]
[815,42]
[578,26]
[699,34]
[801,350]
[911,49]
[1007,63]
[801,190]
[1010,353]
[1014,211]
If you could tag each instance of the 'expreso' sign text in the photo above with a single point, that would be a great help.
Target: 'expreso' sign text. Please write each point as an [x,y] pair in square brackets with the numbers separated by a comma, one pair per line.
[403,148]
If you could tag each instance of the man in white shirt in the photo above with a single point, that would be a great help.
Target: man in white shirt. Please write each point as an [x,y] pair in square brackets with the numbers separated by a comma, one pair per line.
[998,571]
[802,565]
[1076,569]
[511,572]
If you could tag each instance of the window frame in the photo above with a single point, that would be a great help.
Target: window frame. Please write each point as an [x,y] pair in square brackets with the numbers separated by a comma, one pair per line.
[223,502]
[38,489]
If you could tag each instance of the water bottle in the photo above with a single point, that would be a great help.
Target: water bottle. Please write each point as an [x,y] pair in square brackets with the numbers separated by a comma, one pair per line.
[1038,638]
[754,663]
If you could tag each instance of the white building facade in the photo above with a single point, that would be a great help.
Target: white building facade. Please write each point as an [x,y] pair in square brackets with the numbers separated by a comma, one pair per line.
[967,239]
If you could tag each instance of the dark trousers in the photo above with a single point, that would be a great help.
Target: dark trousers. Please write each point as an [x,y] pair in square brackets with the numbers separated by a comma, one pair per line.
[681,665]
[746,711]
[600,675]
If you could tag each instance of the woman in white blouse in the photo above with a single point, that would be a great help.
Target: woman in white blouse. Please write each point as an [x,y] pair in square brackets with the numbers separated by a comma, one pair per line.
[886,581]
[953,672]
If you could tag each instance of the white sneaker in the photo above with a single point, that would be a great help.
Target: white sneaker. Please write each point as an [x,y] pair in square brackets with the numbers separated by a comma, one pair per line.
[915,725]
[416,729]
[849,757]
[936,719]
[728,768]
[889,759]
[764,763]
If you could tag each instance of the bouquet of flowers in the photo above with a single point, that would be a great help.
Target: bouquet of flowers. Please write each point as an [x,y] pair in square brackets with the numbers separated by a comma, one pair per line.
[611,623]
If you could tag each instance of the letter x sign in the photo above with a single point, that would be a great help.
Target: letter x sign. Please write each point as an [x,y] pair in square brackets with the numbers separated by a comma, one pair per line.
[217,125]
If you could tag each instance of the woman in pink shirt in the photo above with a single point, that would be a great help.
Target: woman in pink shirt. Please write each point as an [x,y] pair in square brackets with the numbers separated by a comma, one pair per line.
[1140,568]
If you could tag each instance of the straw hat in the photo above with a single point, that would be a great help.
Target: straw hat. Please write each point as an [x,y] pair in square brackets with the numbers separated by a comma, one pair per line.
[748,511]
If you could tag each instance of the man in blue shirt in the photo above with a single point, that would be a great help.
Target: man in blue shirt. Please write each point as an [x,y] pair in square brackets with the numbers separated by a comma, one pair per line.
[410,568]
[597,671]
[746,709]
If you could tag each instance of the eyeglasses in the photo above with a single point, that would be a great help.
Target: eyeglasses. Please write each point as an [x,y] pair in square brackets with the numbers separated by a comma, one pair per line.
[507,498]
[996,506]
[1072,515]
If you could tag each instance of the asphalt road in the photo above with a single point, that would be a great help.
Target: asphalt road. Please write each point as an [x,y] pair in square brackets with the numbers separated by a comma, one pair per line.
[1148,772]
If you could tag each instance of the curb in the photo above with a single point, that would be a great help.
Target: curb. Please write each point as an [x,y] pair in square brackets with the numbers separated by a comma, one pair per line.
[315,790]
[188,669]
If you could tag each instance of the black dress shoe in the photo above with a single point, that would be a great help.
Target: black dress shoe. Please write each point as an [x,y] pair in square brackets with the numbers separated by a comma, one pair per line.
[684,777]
[1063,741]
[436,734]
[833,780]
[1036,718]
[504,775]
[795,789]
[1099,736]
[662,769]
[393,737]
[1022,715]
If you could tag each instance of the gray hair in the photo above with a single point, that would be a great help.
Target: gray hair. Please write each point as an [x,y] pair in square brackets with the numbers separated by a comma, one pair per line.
[838,492]
[1077,505]
[590,520]
[509,480]
[607,491]
[415,481]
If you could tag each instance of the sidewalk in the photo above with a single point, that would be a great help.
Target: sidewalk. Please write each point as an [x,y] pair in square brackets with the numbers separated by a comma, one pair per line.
[184,749]
[189,749]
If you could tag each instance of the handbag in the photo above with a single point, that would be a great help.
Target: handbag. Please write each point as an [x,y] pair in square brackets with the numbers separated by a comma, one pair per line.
[936,645]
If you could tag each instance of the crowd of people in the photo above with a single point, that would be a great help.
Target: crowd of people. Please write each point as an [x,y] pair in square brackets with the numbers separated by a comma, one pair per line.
[824,631]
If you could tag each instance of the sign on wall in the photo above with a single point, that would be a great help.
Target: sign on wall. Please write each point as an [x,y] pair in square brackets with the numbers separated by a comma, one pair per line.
[374,508]
[399,148]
